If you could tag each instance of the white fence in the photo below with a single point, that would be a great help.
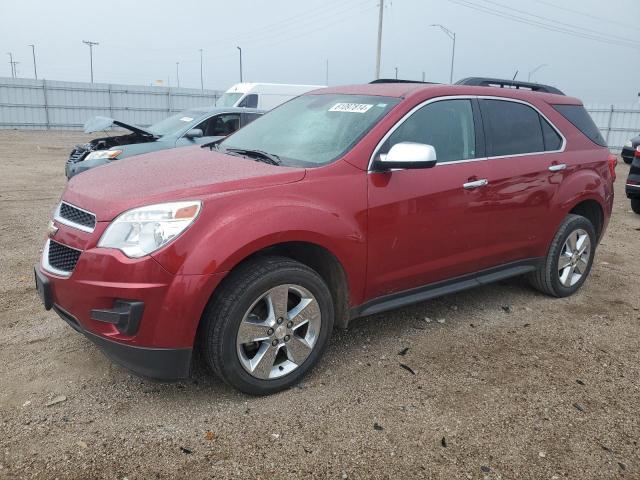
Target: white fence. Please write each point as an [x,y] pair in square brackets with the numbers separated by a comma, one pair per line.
[46,104]
[618,123]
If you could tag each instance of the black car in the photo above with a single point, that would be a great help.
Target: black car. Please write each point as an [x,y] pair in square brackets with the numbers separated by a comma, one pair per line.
[633,182]
[629,149]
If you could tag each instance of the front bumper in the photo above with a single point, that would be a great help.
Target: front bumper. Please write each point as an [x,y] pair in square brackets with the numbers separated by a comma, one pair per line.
[91,298]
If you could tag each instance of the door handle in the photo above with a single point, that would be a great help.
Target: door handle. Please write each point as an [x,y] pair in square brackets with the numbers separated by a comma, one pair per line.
[476,184]
[557,168]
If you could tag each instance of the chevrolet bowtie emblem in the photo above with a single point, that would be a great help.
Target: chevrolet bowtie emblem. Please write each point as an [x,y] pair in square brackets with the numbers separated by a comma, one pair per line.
[51,229]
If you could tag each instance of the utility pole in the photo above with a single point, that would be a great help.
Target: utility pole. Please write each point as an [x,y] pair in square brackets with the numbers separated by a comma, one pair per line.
[379,49]
[178,73]
[201,81]
[35,70]
[91,45]
[452,36]
[240,50]
[423,76]
[326,82]
[396,73]
[12,64]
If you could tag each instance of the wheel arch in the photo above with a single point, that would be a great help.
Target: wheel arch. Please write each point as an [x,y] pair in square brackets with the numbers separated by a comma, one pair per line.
[593,211]
[312,254]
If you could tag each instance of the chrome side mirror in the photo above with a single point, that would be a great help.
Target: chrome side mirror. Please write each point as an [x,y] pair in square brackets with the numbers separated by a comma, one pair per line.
[407,155]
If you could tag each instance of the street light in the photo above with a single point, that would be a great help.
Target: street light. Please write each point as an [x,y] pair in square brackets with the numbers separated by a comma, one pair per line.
[240,50]
[535,70]
[452,36]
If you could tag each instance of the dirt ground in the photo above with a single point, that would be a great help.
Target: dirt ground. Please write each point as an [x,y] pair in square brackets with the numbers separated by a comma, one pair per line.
[508,383]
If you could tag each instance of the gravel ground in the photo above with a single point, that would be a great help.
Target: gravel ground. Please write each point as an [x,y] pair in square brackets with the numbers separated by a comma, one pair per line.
[502,383]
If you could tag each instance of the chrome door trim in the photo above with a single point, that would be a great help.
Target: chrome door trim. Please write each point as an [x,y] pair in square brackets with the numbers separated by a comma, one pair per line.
[468,97]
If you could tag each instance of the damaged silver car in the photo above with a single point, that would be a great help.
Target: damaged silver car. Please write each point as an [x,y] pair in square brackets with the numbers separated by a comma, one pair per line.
[190,127]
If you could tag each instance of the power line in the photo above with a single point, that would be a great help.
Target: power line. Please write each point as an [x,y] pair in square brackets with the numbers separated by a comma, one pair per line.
[594,17]
[553,28]
[569,25]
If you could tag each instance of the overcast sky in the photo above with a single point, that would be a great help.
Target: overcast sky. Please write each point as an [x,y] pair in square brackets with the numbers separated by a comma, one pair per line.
[289,41]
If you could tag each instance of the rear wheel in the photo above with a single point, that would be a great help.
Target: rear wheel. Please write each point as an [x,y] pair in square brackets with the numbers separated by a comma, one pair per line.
[569,259]
[268,325]
[635,205]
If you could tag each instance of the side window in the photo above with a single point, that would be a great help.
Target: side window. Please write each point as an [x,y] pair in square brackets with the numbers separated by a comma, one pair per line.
[511,128]
[552,141]
[250,101]
[220,125]
[447,125]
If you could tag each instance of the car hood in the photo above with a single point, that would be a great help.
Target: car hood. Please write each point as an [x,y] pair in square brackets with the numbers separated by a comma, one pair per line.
[170,175]
[98,124]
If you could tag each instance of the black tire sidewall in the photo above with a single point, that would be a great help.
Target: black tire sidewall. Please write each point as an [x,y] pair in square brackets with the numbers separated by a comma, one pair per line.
[572,224]
[230,366]
[635,205]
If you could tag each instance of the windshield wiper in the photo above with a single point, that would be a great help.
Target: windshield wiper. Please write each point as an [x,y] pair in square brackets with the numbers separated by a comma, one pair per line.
[213,144]
[259,155]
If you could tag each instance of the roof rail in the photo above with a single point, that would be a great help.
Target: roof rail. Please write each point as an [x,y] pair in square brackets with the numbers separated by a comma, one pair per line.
[396,80]
[496,82]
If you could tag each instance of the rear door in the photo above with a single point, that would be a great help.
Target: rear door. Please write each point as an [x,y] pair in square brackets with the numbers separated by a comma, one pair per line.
[424,225]
[525,172]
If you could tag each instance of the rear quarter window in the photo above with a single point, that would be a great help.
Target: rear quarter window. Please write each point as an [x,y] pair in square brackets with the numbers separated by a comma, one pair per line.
[581,119]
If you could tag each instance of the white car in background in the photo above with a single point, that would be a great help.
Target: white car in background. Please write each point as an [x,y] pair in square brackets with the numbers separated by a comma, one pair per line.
[263,96]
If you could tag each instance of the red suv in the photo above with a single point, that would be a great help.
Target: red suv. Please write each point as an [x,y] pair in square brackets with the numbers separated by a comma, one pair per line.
[341,203]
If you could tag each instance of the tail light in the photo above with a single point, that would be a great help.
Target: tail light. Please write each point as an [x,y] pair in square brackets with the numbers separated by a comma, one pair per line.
[613,162]
[637,154]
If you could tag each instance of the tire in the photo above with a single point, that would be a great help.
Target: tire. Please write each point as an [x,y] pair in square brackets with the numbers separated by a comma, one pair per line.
[628,161]
[241,324]
[557,282]
[635,205]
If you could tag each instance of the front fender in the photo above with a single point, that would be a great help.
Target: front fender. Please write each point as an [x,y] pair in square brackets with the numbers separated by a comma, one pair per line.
[236,225]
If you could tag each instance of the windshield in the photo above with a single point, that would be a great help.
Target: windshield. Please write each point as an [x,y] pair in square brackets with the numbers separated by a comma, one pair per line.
[312,130]
[174,123]
[228,99]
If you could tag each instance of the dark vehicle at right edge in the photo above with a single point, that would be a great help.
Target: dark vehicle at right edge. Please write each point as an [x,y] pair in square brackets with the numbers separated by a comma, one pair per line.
[632,187]
[629,150]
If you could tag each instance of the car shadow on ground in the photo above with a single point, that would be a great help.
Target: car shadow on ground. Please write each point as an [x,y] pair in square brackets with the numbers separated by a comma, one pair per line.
[455,309]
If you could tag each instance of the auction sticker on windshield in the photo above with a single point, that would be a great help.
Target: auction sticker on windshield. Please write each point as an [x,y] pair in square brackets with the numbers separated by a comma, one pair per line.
[186,119]
[351,107]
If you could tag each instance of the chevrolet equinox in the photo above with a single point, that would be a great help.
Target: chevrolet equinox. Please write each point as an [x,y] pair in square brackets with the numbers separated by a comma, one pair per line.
[341,203]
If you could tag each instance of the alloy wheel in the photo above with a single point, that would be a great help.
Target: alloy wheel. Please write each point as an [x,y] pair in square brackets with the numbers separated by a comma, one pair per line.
[278,332]
[574,258]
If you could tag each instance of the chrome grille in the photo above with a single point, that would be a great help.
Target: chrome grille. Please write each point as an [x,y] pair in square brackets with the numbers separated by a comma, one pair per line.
[62,257]
[75,217]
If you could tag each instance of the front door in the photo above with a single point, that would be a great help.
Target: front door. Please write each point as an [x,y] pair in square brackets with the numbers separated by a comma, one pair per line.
[429,225]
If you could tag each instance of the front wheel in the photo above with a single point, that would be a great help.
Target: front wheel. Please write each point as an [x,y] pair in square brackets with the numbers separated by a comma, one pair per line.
[267,325]
[635,205]
[569,259]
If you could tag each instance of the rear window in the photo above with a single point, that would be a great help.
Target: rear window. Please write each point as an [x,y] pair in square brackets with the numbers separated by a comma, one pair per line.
[581,119]
[512,128]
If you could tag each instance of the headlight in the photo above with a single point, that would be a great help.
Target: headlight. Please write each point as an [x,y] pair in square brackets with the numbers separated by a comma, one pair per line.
[144,230]
[629,144]
[103,154]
